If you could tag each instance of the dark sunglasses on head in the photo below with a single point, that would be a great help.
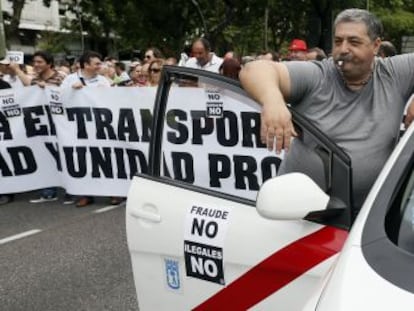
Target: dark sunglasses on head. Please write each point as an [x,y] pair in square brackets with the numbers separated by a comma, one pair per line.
[156,70]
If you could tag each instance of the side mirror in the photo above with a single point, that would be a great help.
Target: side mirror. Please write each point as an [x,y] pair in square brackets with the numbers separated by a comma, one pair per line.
[291,196]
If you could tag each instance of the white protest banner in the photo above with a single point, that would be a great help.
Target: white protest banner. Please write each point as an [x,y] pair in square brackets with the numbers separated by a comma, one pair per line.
[223,153]
[104,136]
[94,140]
[102,139]
[26,131]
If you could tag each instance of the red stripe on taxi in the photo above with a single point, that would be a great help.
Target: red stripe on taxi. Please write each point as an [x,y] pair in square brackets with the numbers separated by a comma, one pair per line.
[277,271]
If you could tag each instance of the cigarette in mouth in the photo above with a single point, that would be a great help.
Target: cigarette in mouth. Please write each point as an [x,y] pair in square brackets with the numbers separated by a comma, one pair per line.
[340,63]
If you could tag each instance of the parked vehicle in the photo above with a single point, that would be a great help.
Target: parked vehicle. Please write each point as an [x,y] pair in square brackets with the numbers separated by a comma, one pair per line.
[202,236]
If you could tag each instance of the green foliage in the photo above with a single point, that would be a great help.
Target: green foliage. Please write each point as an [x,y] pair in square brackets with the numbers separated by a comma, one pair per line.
[113,25]
[396,25]
[228,24]
[53,42]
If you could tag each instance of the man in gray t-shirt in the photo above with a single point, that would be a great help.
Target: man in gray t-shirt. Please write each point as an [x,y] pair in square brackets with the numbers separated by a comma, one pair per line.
[354,97]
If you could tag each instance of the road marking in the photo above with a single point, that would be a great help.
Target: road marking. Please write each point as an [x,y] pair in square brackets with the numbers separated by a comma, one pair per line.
[108,208]
[19,236]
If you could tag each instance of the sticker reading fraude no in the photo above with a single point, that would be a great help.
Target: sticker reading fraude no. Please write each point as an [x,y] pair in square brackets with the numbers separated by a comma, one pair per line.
[205,231]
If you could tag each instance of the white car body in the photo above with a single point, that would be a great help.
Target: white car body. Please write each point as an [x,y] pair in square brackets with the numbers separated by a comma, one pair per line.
[375,279]
[247,263]
[197,246]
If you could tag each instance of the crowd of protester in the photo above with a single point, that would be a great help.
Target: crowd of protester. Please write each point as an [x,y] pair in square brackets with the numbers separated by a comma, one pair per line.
[91,70]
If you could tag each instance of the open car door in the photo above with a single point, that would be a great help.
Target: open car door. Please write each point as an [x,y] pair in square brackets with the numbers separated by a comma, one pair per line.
[195,236]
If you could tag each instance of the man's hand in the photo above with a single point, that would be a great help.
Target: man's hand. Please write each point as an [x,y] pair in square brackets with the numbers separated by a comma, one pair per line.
[277,125]
[77,85]
[269,84]
[14,67]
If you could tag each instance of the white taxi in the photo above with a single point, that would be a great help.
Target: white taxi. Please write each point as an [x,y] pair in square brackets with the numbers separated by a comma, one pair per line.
[202,236]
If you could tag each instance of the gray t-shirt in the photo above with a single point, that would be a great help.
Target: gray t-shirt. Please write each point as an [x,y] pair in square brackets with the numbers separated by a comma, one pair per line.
[365,123]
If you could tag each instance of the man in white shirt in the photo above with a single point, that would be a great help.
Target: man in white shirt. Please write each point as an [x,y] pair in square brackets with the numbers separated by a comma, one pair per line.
[90,63]
[88,75]
[203,58]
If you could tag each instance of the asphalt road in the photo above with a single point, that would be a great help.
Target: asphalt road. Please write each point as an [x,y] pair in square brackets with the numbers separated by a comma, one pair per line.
[58,257]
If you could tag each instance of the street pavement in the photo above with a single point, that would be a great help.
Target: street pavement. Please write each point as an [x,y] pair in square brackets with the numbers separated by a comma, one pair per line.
[59,257]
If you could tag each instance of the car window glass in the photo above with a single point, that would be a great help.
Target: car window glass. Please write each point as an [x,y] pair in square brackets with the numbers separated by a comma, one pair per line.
[399,220]
[208,135]
[211,138]
[405,238]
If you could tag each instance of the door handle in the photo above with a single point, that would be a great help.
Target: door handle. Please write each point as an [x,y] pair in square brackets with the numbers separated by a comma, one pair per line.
[146,215]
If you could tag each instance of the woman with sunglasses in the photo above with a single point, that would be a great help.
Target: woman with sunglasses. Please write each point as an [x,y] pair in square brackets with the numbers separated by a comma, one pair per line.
[154,71]
[152,53]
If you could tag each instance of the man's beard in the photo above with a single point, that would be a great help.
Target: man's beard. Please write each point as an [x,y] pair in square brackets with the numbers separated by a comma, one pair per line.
[202,61]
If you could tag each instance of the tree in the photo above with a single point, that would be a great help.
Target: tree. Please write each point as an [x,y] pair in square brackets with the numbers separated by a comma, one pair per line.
[397,26]
[12,31]
[320,24]
[246,26]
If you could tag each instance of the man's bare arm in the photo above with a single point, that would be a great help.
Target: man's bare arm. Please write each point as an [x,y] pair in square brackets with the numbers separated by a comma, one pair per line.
[26,79]
[269,84]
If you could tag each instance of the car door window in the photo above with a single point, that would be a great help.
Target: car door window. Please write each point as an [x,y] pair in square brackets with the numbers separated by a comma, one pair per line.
[207,133]
[399,223]
[406,228]
[211,139]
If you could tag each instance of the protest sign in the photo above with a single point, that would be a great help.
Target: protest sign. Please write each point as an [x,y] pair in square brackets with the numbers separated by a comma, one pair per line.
[94,140]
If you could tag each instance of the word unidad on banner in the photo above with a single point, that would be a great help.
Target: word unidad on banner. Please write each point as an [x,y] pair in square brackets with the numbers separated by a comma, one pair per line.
[103,129]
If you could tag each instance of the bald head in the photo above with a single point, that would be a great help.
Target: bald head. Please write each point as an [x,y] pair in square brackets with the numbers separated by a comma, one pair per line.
[201,51]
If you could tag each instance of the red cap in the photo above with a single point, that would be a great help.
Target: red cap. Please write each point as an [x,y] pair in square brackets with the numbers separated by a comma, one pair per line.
[298,45]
